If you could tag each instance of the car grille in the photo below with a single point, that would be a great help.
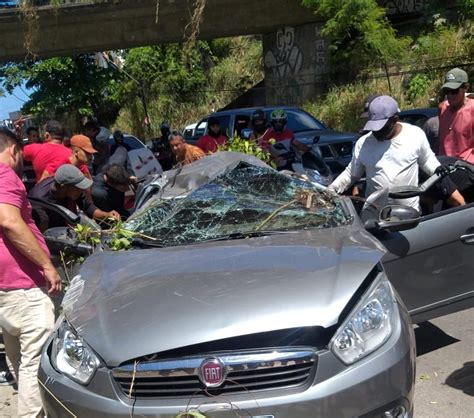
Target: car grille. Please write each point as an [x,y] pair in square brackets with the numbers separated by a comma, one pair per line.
[246,372]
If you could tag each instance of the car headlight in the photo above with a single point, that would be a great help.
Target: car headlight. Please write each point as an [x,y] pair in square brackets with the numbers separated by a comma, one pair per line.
[71,356]
[368,325]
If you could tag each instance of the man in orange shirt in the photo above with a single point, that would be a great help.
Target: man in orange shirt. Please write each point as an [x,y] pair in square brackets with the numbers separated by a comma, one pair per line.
[456,120]
[184,153]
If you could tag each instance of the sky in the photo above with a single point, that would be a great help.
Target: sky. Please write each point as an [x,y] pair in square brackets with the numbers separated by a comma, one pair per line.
[11,103]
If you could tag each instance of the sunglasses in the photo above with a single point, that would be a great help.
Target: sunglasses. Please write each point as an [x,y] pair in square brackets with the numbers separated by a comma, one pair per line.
[450,91]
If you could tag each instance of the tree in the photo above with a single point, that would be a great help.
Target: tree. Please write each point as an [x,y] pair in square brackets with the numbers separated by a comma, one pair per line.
[68,85]
[359,34]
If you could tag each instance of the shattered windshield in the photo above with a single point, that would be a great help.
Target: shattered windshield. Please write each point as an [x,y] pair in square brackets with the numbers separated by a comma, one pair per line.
[246,200]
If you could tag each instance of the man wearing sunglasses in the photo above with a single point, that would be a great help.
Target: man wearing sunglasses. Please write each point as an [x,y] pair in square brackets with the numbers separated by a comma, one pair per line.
[456,120]
[390,154]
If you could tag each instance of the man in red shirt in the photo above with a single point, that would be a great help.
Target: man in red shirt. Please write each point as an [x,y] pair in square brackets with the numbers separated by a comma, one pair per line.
[26,311]
[214,138]
[278,131]
[44,156]
[456,119]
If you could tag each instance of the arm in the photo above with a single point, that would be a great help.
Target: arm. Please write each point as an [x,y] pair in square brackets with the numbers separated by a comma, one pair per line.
[353,172]
[92,211]
[18,233]
[427,161]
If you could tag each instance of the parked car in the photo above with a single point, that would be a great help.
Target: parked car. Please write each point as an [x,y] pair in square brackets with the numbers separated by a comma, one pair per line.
[335,147]
[193,132]
[418,117]
[253,291]
[130,141]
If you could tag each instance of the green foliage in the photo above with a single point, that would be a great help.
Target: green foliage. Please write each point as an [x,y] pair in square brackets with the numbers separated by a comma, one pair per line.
[418,86]
[74,85]
[120,238]
[248,146]
[415,80]
[87,235]
[359,33]
[181,88]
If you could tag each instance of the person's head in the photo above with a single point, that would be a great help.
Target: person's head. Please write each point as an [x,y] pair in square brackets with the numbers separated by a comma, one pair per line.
[91,129]
[32,135]
[70,182]
[117,177]
[53,131]
[11,152]
[278,119]
[82,149]
[165,130]
[214,127]
[177,143]
[118,137]
[259,122]
[455,87]
[383,117]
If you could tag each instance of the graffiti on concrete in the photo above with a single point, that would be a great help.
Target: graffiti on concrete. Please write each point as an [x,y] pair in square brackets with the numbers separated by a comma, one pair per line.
[286,59]
[320,67]
[397,7]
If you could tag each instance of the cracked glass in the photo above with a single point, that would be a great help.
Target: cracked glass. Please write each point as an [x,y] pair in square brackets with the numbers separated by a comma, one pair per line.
[246,200]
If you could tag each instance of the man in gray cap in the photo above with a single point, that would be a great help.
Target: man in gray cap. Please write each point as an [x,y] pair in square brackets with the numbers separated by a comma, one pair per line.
[68,188]
[390,154]
[456,119]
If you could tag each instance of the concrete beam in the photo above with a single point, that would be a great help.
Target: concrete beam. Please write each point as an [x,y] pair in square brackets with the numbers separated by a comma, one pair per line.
[73,29]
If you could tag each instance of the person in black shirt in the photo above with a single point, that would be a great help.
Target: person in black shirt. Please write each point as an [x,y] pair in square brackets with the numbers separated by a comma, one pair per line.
[67,188]
[108,190]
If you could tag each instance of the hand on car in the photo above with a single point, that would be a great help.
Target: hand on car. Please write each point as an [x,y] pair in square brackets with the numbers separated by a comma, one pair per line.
[52,279]
[114,214]
[443,170]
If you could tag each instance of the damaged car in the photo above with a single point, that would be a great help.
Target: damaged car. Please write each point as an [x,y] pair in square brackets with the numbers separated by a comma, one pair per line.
[252,293]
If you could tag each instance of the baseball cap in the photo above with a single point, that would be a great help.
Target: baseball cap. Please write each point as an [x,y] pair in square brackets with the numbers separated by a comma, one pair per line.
[381,109]
[365,113]
[454,79]
[83,142]
[69,175]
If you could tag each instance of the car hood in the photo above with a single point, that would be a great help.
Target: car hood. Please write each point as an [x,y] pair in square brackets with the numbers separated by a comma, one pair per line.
[326,136]
[139,302]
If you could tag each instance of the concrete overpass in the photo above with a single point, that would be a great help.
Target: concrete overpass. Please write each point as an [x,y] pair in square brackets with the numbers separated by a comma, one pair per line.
[79,28]
[294,51]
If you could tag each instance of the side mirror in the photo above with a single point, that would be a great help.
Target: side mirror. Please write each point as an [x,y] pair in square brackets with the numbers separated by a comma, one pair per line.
[62,239]
[394,218]
[245,133]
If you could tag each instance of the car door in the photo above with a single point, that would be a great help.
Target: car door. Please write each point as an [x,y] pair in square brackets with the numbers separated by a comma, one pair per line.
[432,265]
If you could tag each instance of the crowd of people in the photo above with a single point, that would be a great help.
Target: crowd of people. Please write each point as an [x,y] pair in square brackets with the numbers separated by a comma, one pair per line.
[86,172]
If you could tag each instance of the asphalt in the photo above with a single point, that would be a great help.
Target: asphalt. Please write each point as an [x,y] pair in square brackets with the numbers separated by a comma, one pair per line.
[445,370]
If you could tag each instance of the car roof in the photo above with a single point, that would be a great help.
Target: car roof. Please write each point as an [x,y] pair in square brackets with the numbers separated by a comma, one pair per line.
[422,111]
[253,109]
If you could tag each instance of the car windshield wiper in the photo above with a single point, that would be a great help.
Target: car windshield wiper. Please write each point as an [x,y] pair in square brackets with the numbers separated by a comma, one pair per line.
[243,235]
[147,242]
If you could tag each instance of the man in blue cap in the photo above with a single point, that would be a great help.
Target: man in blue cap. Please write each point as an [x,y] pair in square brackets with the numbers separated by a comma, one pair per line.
[390,154]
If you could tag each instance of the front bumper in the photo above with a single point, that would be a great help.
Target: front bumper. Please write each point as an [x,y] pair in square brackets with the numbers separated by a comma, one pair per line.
[365,389]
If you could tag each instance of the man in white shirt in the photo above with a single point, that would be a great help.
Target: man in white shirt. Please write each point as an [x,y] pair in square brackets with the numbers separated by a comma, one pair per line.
[390,154]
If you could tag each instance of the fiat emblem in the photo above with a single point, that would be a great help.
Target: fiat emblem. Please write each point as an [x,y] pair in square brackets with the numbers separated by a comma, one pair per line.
[212,372]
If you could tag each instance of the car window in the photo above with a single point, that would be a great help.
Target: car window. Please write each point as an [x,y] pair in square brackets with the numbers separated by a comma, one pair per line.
[240,122]
[224,122]
[300,121]
[418,120]
[247,199]
[130,142]
[201,128]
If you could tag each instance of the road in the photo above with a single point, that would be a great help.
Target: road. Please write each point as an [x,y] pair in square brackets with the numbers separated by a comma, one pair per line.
[445,370]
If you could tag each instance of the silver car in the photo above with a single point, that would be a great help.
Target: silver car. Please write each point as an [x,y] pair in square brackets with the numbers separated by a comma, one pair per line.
[251,293]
